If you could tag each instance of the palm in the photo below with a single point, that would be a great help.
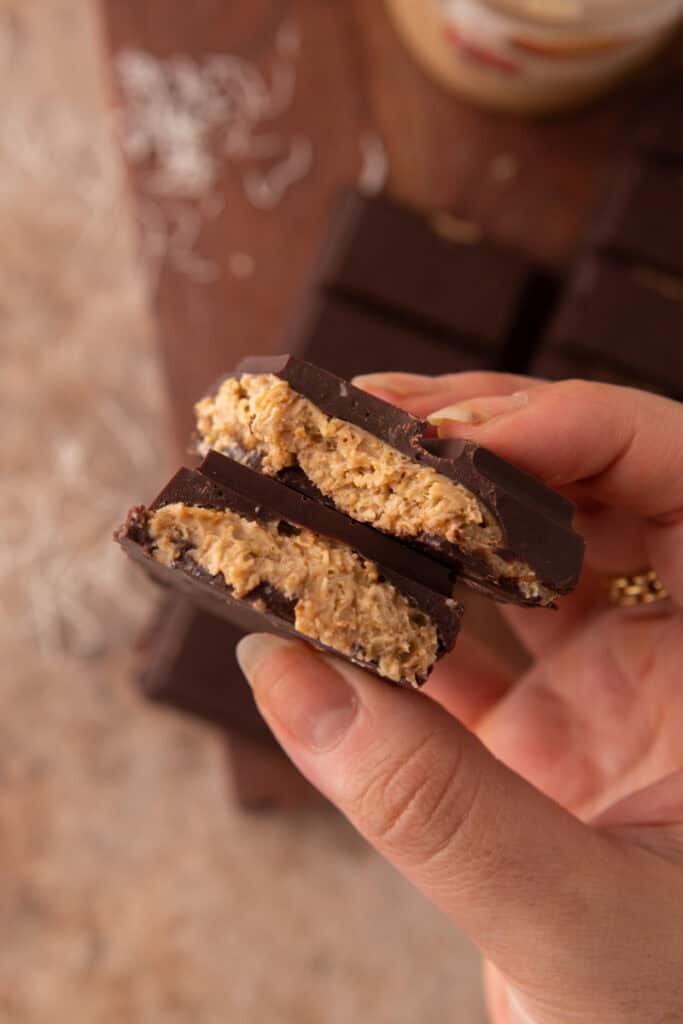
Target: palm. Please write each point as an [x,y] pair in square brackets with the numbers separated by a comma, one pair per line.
[596,717]
[597,714]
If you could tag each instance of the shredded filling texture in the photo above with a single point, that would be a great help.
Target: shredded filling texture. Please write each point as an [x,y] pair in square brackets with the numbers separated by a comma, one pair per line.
[341,599]
[259,417]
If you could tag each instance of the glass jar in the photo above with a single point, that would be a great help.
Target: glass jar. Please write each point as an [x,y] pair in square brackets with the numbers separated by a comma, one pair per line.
[533,56]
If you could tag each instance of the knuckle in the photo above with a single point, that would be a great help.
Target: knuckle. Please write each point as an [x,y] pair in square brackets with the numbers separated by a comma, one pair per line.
[419,803]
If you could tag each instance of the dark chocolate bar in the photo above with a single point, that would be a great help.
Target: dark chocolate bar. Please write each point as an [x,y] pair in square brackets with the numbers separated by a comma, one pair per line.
[264,500]
[188,662]
[641,223]
[618,324]
[434,272]
[536,537]
[348,339]
[659,132]
[552,364]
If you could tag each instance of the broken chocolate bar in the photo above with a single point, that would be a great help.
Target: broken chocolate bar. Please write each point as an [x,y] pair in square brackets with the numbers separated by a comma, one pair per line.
[501,529]
[263,556]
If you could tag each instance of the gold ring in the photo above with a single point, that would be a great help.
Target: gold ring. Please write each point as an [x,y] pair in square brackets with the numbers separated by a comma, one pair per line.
[641,588]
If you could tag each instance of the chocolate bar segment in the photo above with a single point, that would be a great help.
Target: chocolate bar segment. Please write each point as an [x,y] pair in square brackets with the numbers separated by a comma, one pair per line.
[188,662]
[265,557]
[551,364]
[642,221]
[433,271]
[659,133]
[618,324]
[348,339]
[500,528]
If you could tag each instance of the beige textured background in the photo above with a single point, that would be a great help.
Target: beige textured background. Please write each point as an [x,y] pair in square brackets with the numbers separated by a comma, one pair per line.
[130,888]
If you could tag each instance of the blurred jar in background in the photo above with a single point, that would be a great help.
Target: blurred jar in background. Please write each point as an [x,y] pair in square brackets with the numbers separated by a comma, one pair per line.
[533,56]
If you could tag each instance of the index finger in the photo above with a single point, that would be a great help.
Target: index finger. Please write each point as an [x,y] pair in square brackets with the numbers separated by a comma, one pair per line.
[622,447]
[421,394]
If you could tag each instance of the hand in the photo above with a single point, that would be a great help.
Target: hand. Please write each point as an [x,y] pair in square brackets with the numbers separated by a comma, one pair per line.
[543,813]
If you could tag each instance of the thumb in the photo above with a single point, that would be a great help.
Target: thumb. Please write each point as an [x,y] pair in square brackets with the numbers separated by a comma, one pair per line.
[523,877]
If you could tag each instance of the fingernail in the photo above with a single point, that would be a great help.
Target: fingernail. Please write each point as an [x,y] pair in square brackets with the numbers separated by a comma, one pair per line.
[401,384]
[479,410]
[298,690]
[453,413]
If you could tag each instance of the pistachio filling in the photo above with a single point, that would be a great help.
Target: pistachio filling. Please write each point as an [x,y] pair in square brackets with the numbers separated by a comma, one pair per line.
[339,597]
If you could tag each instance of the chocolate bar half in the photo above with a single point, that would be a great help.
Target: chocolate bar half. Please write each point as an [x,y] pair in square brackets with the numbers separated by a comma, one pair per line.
[265,557]
[498,527]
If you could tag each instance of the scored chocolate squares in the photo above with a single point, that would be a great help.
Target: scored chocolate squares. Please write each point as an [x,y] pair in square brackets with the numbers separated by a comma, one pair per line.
[641,223]
[618,324]
[262,556]
[658,134]
[499,528]
[349,339]
[432,273]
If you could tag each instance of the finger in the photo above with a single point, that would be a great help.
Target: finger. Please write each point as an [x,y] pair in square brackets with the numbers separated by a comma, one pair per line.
[421,395]
[480,842]
[622,447]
